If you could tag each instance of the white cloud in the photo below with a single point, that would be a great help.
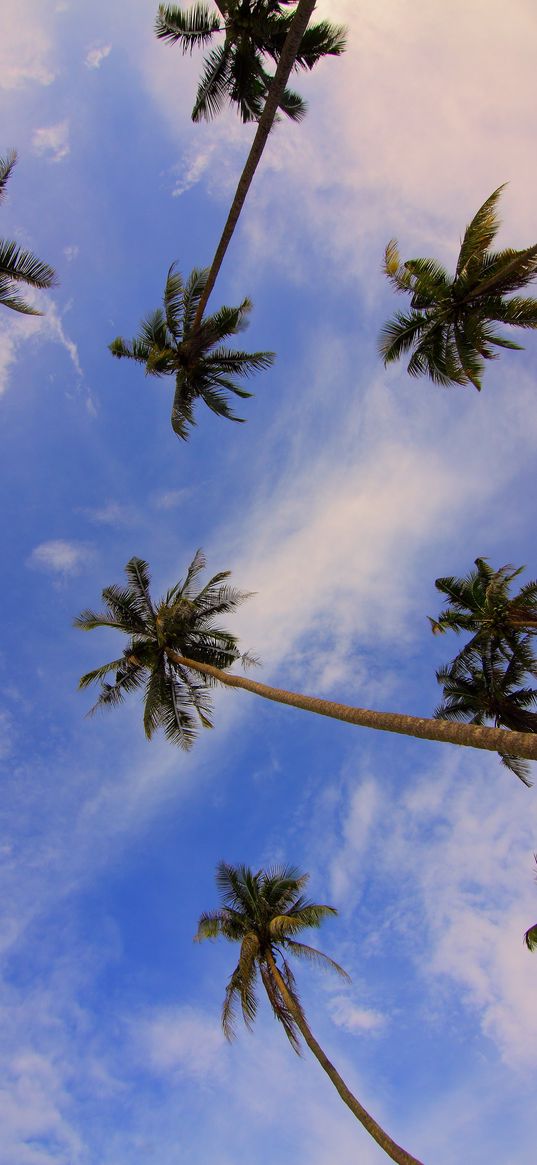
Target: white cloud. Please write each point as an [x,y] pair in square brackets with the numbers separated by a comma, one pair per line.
[71,252]
[353,1018]
[52,140]
[195,165]
[60,557]
[96,55]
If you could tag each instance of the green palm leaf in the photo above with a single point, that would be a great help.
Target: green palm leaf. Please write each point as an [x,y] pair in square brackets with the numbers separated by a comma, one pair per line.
[170,343]
[449,330]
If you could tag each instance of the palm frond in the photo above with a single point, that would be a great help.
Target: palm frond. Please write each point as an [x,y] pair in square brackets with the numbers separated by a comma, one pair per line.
[6,167]
[23,266]
[303,951]
[173,301]
[530,938]
[213,86]
[479,234]
[399,334]
[190,29]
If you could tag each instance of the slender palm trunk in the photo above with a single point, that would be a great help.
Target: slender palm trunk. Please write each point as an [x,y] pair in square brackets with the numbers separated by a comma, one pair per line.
[395,1151]
[274,96]
[520,744]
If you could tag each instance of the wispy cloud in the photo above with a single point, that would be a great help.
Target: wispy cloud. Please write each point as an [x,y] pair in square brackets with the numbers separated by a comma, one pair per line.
[59,557]
[52,141]
[111,514]
[180,1040]
[96,55]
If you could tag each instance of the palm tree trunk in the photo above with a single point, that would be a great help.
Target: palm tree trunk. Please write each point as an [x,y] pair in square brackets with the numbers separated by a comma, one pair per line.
[395,1151]
[501,740]
[274,96]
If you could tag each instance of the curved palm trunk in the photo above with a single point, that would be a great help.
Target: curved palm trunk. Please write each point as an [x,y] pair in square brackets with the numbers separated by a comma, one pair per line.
[395,1151]
[274,96]
[520,744]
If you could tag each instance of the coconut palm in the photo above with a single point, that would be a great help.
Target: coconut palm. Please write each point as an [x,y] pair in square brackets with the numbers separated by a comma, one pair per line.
[484,684]
[174,642]
[286,60]
[235,71]
[170,343]
[481,603]
[265,912]
[452,326]
[16,265]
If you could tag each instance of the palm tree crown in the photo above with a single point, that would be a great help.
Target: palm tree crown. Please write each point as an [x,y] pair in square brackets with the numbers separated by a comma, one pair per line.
[235,70]
[183,622]
[171,343]
[264,912]
[486,680]
[481,686]
[481,603]
[18,266]
[451,328]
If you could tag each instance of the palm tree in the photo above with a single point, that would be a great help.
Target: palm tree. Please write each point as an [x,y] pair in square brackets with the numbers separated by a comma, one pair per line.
[481,603]
[174,642]
[530,937]
[235,70]
[170,343]
[286,60]
[18,266]
[264,912]
[483,684]
[451,328]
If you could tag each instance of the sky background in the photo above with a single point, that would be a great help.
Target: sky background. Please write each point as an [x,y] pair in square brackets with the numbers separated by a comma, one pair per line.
[348,491]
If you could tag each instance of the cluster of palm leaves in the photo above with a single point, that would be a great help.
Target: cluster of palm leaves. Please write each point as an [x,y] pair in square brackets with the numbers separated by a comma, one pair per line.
[264,912]
[172,342]
[487,680]
[17,265]
[451,328]
[235,71]
[163,638]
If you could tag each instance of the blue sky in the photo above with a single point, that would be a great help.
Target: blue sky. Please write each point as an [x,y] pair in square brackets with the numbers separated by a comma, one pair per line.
[348,491]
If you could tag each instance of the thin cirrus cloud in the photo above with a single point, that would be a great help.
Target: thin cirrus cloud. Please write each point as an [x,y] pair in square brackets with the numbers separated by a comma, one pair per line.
[60,558]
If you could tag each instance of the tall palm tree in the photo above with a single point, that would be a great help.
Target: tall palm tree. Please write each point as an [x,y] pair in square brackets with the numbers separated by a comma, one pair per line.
[253,30]
[484,684]
[18,266]
[287,57]
[530,937]
[173,642]
[170,343]
[451,328]
[264,912]
[481,603]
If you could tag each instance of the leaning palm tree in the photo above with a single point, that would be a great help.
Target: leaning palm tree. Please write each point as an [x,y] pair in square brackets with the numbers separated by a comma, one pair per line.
[174,642]
[235,71]
[481,603]
[170,343]
[452,326]
[16,265]
[483,684]
[265,912]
